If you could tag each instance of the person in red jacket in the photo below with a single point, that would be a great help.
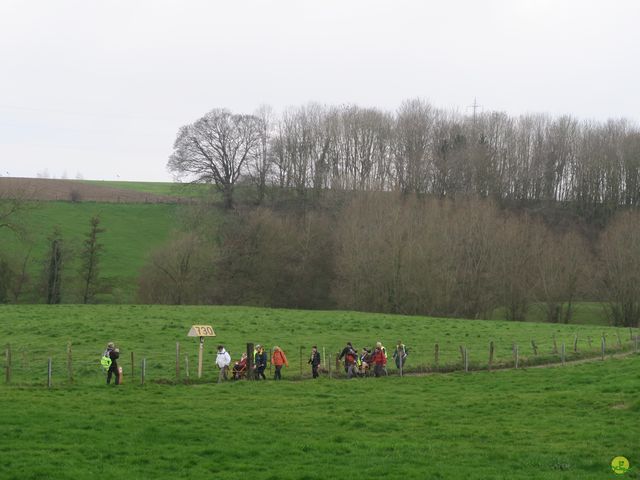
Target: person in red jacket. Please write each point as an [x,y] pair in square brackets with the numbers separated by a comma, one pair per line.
[278,359]
[379,361]
[240,367]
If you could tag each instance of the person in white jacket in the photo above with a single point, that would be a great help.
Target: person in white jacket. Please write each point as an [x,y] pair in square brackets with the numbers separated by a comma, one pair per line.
[223,360]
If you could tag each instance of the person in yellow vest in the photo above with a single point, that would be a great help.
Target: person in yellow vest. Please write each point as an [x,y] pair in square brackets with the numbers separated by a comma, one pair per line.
[400,354]
[111,355]
[384,352]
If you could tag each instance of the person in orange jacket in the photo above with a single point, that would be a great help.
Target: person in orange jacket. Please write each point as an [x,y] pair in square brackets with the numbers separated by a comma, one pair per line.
[278,359]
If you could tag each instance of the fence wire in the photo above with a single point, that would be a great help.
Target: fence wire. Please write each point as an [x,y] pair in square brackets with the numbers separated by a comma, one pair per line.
[27,365]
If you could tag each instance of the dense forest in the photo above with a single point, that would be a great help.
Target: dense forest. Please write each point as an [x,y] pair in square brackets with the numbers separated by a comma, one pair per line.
[389,252]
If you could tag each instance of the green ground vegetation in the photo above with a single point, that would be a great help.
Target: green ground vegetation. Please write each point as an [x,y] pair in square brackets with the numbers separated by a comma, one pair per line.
[584,313]
[158,188]
[132,231]
[543,423]
[39,332]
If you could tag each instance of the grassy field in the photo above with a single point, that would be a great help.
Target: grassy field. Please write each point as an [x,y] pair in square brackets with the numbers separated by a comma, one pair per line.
[543,423]
[39,332]
[132,230]
[585,313]
[159,188]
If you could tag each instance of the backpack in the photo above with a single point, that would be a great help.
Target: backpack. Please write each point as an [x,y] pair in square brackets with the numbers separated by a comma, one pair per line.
[105,361]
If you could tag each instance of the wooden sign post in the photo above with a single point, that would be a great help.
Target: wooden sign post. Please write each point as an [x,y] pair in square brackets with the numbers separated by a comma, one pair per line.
[201,331]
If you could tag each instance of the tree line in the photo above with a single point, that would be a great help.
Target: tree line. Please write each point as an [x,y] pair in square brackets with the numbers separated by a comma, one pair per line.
[419,149]
[395,253]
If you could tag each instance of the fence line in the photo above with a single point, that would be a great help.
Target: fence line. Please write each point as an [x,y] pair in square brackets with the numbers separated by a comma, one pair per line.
[28,368]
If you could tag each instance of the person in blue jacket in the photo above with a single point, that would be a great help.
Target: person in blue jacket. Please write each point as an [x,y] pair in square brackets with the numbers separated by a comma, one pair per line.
[260,362]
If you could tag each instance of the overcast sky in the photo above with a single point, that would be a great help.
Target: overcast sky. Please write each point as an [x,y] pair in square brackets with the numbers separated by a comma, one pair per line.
[100,88]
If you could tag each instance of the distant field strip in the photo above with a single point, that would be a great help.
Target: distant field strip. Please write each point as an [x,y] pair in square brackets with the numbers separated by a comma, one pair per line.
[93,191]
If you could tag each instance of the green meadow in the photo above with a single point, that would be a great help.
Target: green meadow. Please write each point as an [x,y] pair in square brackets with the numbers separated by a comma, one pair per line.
[132,231]
[562,422]
[158,188]
[39,332]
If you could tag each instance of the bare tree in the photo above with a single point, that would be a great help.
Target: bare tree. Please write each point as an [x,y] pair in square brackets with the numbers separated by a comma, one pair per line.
[90,258]
[620,267]
[53,268]
[178,273]
[518,250]
[13,205]
[261,162]
[22,277]
[414,138]
[561,263]
[215,150]
[7,276]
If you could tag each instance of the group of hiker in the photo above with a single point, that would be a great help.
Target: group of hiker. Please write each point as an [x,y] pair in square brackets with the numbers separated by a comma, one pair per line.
[360,363]
[356,364]
[260,359]
[278,360]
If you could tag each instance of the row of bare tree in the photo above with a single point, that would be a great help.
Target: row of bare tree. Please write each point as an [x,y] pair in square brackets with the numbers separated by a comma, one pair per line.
[49,285]
[387,252]
[417,149]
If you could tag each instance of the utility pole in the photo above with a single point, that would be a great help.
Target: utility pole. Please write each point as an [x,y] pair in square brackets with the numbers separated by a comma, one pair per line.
[475,107]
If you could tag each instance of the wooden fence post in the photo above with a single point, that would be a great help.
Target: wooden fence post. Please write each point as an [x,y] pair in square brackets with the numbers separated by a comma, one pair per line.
[437,356]
[301,348]
[466,360]
[516,353]
[49,373]
[575,344]
[462,355]
[177,360]
[491,350]
[250,361]
[200,355]
[603,345]
[534,347]
[562,354]
[328,364]
[8,364]
[619,341]
[143,370]
[69,362]
[186,366]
